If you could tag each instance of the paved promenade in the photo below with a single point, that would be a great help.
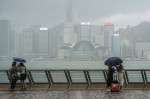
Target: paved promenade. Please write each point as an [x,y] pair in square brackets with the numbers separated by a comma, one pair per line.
[75,94]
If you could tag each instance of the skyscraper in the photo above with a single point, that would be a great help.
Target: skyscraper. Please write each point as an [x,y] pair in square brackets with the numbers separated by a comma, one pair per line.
[108,37]
[116,45]
[12,42]
[43,42]
[97,35]
[70,12]
[85,31]
[70,25]
[5,28]
[27,42]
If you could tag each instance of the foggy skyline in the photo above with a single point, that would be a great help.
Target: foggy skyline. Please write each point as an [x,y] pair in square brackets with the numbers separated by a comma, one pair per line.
[24,13]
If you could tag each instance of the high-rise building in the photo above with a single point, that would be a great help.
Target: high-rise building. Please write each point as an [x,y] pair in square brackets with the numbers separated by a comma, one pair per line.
[116,45]
[97,35]
[85,31]
[141,47]
[12,42]
[27,42]
[71,13]
[55,39]
[70,30]
[108,36]
[35,29]
[5,28]
[43,42]
[18,44]
[69,37]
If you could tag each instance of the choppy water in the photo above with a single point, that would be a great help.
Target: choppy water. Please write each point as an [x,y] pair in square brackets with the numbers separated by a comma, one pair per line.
[136,64]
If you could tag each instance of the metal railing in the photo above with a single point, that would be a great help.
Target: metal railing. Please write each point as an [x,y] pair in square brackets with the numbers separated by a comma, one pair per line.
[75,76]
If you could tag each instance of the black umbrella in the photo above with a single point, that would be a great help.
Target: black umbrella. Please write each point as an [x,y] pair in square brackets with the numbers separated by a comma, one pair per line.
[19,59]
[113,61]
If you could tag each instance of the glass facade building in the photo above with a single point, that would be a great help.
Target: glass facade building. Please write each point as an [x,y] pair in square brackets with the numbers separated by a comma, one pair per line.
[108,37]
[43,42]
[85,31]
[5,29]
[27,42]
[116,45]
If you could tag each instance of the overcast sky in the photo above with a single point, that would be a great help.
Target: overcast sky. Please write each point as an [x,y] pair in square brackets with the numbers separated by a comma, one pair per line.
[24,13]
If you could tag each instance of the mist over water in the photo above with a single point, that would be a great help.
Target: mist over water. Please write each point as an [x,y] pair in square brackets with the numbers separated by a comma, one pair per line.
[76,65]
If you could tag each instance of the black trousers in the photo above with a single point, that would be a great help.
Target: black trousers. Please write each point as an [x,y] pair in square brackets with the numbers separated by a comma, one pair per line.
[13,84]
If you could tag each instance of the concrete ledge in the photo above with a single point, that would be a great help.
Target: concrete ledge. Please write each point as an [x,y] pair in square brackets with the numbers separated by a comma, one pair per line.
[78,86]
[38,87]
[135,86]
[73,86]
[59,86]
[147,86]
[97,86]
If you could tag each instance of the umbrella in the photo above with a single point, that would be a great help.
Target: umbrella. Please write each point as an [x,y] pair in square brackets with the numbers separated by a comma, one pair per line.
[19,59]
[113,61]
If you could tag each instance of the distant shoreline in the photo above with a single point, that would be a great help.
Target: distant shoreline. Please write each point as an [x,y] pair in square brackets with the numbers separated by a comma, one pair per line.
[46,60]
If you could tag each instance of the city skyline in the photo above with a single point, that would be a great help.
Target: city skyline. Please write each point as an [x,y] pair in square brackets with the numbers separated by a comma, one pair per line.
[50,13]
[76,35]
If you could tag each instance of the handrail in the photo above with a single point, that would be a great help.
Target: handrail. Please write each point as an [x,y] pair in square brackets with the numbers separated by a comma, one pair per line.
[76,69]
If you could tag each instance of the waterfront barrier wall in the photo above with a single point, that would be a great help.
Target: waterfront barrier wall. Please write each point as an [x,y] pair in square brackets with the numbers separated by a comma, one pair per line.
[49,79]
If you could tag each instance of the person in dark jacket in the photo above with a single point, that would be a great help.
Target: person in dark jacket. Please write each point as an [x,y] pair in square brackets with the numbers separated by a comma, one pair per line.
[13,76]
[110,77]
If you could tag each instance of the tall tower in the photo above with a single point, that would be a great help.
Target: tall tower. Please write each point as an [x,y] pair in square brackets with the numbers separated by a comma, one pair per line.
[108,36]
[69,33]
[43,42]
[27,42]
[85,31]
[69,12]
[5,28]
[116,45]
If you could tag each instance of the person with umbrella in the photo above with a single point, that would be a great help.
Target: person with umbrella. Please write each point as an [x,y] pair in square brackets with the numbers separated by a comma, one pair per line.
[22,70]
[120,70]
[23,75]
[116,61]
[110,77]
[13,76]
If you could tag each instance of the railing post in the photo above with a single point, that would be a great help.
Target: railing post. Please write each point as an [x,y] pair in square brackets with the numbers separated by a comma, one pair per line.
[87,78]
[105,75]
[88,75]
[31,77]
[48,78]
[47,75]
[144,77]
[125,78]
[67,77]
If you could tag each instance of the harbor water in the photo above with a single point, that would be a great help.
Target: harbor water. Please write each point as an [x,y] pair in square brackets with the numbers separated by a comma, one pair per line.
[61,64]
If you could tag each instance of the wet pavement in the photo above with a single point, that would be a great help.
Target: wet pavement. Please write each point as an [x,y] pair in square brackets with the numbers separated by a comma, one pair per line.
[75,94]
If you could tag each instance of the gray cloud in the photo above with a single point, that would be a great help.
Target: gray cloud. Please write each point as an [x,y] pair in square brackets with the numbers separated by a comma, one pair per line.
[122,20]
[23,13]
